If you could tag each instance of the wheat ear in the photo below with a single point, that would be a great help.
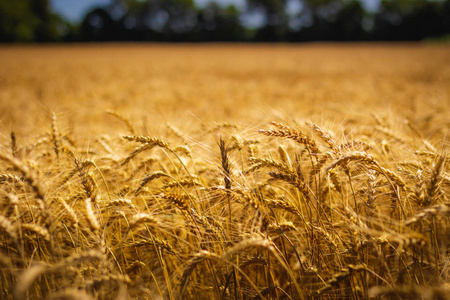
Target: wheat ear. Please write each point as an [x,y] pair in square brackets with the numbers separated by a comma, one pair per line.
[32,178]
[146,144]
[13,143]
[338,277]
[122,119]
[326,138]
[70,213]
[90,215]
[70,294]
[39,230]
[8,227]
[56,138]
[28,276]
[148,179]
[433,185]
[431,211]
[178,200]
[345,159]
[292,134]
[143,218]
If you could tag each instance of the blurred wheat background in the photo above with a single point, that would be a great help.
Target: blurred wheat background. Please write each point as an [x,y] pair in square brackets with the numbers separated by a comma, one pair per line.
[224,171]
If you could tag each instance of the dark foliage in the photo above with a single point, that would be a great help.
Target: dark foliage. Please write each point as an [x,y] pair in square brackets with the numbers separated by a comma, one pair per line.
[182,21]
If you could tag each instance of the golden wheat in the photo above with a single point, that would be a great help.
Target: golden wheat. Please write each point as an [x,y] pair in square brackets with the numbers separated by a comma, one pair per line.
[206,199]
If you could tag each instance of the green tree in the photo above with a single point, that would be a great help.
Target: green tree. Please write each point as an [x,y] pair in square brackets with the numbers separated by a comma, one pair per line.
[276,19]
[166,15]
[216,23]
[27,21]
[403,7]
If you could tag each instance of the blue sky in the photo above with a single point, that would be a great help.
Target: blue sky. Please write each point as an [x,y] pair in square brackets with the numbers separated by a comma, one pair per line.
[75,10]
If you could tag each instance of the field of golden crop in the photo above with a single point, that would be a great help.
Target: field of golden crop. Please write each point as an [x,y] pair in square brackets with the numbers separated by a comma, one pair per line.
[314,171]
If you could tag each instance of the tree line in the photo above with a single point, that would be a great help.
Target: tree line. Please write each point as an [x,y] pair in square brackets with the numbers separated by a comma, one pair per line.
[261,20]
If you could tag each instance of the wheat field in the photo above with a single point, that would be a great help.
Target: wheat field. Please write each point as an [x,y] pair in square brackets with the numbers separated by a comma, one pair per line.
[148,171]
